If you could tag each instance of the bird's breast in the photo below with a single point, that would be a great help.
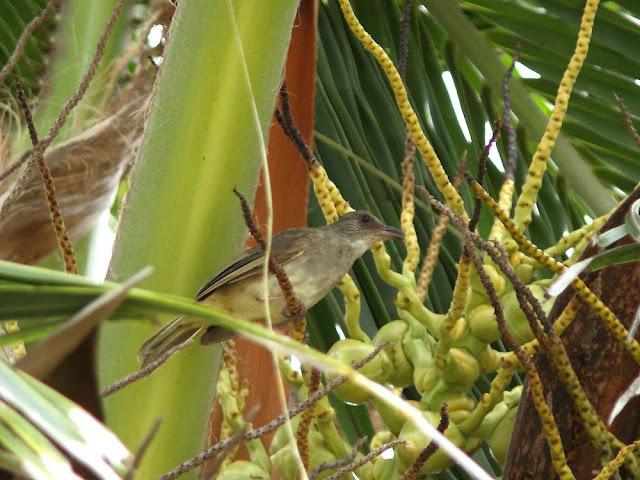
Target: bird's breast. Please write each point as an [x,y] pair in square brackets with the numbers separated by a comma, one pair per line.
[314,276]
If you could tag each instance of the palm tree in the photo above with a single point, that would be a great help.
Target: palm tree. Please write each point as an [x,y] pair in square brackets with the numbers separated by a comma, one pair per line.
[206,124]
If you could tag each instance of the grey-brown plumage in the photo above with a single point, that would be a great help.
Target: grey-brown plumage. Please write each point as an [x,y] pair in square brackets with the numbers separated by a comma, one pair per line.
[315,259]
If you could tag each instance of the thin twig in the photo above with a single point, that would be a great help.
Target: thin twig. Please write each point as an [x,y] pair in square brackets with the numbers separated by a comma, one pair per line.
[234,440]
[528,303]
[85,82]
[405,27]
[482,168]
[408,176]
[545,412]
[138,48]
[15,165]
[211,469]
[628,121]
[302,433]
[611,468]
[143,372]
[55,213]
[289,127]
[471,240]
[26,112]
[414,469]
[512,147]
[142,449]
[273,424]
[364,460]
[435,242]
[341,462]
[602,439]
[24,38]
[295,306]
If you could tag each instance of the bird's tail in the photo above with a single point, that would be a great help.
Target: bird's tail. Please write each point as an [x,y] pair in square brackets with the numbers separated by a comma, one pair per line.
[174,333]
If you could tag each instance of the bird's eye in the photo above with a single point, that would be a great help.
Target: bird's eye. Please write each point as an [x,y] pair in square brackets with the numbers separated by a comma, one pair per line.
[365,219]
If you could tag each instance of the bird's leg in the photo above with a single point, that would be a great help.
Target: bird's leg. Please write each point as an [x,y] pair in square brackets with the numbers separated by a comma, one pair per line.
[296,313]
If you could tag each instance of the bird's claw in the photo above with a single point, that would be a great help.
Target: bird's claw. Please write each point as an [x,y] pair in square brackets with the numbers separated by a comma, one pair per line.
[299,312]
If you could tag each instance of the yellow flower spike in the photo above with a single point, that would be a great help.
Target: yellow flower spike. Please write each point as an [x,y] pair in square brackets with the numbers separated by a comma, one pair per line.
[461,289]
[431,257]
[230,361]
[601,438]
[408,211]
[299,329]
[586,241]
[567,316]
[437,234]
[488,401]
[335,204]
[412,123]
[585,232]
[342,206]
[458,303]
[319,179]
[302,432]
[228,394]
[505,199]
[612,467]
[231,396]
[549,427]
[538,166]
[610,319]
[559,326]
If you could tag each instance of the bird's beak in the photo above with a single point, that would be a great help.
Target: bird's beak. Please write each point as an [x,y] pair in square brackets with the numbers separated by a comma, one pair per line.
[390,232]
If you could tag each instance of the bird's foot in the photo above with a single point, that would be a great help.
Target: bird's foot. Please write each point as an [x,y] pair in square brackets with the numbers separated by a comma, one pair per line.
[299,312]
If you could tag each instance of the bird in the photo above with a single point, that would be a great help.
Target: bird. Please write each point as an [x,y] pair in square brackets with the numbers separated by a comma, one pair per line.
[314,258]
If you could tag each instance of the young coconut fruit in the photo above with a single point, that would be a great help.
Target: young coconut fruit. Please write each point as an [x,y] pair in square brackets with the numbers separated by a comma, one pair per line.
[483,323]
[416,441]
[283,456]
[515,318]
[393,334]
[383,466]
[392,418]
[243,470]
[501,436]
[377,369]
[522,265]
[462,368]
[478,292]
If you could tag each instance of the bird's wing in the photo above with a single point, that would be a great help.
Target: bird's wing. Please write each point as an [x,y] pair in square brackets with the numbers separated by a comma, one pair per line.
[286,246]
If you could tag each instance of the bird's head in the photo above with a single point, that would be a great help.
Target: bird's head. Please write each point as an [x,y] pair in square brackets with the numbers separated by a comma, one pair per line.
[363,227]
